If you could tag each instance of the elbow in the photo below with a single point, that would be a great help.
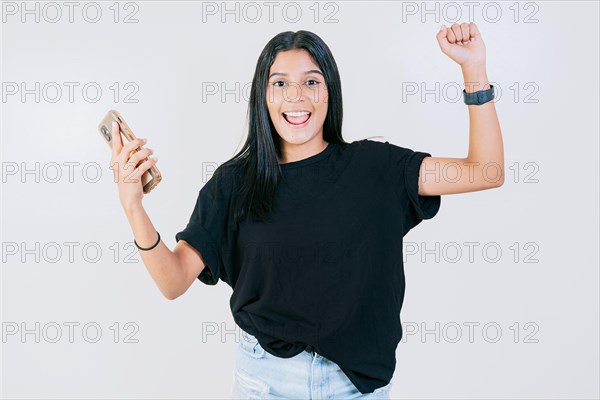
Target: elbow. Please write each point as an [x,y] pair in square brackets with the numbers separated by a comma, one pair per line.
[500,181]
[489,173]
[495,184]
[492,180]
[492,185]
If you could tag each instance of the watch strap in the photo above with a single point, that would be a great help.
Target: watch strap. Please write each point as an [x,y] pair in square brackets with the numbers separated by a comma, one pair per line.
[480,97]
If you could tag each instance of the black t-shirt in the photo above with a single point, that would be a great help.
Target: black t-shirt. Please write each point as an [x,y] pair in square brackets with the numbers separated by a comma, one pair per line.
[327,271]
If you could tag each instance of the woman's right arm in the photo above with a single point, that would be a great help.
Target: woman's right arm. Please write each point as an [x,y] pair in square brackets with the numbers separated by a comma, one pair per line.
[173,271]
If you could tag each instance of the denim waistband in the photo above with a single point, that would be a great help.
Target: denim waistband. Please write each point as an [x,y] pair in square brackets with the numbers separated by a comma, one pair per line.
[309,349]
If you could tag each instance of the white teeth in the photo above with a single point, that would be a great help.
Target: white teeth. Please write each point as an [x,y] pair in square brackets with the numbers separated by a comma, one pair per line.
[296,114]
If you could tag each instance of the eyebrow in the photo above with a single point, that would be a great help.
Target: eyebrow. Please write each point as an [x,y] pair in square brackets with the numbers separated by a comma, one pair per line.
[312,71]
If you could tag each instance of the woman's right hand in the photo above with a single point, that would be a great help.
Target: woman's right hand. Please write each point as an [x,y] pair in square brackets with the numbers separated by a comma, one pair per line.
[128,167]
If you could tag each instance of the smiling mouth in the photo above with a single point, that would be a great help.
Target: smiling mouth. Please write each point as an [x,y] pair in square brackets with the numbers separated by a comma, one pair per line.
[297,118]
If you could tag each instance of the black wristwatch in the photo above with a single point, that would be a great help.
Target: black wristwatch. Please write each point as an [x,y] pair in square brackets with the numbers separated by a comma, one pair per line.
[480,97]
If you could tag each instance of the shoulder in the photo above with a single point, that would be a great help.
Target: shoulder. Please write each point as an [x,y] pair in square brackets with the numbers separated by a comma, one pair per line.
[381,148]
[381,154]
[369,144]
[370,148]
[368,158]
[220,183]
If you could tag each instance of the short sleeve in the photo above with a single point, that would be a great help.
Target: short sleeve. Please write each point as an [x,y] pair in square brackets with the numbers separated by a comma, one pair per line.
[405,164]
[207,229]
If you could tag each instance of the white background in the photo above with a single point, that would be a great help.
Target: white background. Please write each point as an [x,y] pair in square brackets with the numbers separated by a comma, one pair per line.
[547,71]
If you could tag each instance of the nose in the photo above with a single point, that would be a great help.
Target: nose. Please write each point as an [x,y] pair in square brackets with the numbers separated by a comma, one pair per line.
[293,95]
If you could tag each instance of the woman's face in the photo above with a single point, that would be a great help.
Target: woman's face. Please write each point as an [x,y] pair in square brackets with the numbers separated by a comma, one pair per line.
[296,85]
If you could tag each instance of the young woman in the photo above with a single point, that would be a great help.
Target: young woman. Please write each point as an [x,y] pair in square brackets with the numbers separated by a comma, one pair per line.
[307,229]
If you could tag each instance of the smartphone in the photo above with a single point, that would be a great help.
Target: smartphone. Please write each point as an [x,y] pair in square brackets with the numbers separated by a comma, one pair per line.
[151,177]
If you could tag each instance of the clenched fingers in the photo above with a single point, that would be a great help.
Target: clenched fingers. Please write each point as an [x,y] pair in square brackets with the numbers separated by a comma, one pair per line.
[142,168]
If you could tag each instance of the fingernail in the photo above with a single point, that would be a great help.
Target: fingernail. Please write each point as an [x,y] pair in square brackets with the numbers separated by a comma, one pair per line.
[114,124]
[441,27]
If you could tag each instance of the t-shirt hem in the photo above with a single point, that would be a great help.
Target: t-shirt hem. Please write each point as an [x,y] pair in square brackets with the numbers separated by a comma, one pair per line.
[201,241]
[426,207]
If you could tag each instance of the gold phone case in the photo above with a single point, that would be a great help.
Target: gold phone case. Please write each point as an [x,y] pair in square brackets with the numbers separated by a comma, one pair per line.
[151,177]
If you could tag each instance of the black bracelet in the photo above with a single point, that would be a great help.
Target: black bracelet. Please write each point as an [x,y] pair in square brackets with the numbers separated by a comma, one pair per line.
[149,248]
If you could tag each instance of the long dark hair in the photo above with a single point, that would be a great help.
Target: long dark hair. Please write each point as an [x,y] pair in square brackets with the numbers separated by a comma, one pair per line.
[257,163]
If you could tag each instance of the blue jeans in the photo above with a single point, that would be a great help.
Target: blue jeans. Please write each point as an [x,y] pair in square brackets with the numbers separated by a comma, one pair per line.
[308,375]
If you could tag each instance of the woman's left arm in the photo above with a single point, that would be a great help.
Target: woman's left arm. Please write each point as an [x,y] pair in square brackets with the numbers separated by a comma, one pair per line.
[483,168]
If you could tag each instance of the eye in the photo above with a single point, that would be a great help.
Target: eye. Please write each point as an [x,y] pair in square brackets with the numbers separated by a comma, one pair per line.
[276,83]
[312,80]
